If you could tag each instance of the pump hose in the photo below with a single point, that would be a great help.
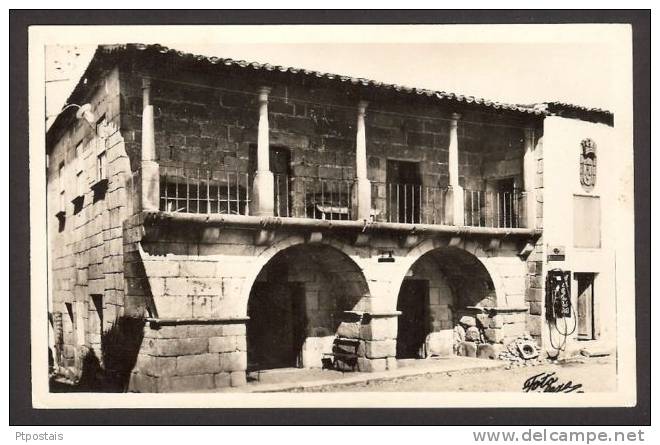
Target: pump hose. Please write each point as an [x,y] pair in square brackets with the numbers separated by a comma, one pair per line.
[565,332]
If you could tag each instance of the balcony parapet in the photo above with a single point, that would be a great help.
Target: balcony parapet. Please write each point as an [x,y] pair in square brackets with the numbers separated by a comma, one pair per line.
[202,190]
[252,222]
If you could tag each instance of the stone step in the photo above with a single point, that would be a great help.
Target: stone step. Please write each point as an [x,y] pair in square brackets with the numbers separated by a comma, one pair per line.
[282,375]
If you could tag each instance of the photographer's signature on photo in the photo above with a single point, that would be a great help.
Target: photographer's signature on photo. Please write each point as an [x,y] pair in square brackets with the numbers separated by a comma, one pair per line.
[548,382]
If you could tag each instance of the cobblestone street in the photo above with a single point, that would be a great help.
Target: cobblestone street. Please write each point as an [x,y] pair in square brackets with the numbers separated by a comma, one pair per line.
[594,374]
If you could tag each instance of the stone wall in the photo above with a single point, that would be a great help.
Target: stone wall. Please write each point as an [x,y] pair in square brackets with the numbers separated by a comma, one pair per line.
[200,278]
[200,123]
[187,357]
[441,296]
[86,239]
[191,340]
[503,150]
[535,284]
[204,276]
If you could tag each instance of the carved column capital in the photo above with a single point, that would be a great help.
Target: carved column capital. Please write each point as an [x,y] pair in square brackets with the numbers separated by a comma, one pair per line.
[263,94]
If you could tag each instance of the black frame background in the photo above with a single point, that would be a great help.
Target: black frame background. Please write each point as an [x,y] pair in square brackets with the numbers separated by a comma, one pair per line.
[21,411]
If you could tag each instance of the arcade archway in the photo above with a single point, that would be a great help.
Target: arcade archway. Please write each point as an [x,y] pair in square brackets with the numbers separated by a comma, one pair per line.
[296,304]
[442,286]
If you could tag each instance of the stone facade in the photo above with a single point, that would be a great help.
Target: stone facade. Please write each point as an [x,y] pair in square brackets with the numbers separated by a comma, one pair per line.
[192,271]
[86,238]
[206,127]
[203,277]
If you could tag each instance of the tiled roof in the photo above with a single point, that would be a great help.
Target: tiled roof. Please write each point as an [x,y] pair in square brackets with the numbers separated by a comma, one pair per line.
[577,111]
[573,111]
[107,54]
[566,105]
[358,81]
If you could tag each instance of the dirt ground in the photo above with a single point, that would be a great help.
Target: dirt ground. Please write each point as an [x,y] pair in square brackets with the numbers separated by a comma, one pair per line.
[593,374]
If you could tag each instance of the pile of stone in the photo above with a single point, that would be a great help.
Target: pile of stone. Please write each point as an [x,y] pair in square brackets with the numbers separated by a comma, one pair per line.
[523,351]
[470,340]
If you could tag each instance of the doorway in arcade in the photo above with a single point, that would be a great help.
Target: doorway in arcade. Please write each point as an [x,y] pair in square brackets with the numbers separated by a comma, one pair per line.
[441,287]
[276,345]
[296,305]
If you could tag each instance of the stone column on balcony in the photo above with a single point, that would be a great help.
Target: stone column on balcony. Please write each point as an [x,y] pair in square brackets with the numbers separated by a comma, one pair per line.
[362,186]
[150,178]
[529,179]
[263,188]
[456,206]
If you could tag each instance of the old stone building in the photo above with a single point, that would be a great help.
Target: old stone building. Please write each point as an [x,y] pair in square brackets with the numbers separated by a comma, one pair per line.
[210,217]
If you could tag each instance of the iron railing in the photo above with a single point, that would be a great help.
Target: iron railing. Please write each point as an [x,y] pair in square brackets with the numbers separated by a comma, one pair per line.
[409,203]
[493,209]
[199,190]
[315,198]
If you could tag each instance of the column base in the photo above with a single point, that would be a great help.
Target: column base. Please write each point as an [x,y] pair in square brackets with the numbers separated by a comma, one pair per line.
[455,206]
[372,364]
[372,338]
[361,206]
[150,186]
[263,194]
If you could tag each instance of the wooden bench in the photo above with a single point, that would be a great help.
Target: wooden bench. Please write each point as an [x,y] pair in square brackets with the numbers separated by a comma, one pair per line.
[345,354]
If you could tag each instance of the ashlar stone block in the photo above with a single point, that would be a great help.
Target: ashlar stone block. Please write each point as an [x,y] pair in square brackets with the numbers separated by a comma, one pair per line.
[222,380]
[233,361]
[176,347]
[379,328]
[198,364]
[440,344]
[238,378]
[377,349]
[186,383]
[371,365]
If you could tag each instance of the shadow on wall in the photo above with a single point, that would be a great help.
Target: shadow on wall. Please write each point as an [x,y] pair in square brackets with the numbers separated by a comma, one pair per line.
[119,351]
[468,278]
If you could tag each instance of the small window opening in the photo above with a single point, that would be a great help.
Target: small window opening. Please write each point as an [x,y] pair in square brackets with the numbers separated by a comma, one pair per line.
[79,184]
[60,176]
[101,166]
[101,127]
[69,310]
[97,300]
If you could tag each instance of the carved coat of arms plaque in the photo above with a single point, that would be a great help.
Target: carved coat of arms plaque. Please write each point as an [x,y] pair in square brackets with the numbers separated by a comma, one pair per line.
[588,164]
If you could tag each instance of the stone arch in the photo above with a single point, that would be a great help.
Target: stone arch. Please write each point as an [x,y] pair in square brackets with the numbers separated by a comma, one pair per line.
[465,274]
[296,302]
[260,261]
[474,251]
[441,285]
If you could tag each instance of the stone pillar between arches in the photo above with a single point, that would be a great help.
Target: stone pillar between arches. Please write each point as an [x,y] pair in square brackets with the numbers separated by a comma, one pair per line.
[372,337]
